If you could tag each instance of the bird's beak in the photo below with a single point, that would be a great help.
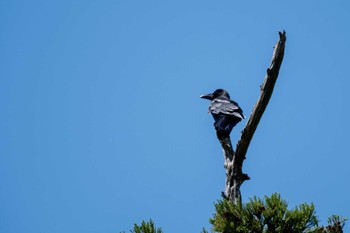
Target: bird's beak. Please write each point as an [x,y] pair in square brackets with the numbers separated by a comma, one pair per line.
[208,96]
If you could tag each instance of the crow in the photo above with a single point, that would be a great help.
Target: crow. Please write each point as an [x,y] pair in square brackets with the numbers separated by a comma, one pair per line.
[225,111]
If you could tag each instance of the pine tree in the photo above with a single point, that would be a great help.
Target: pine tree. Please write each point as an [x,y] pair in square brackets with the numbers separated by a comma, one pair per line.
[270,215]
[267,215]
[146,227]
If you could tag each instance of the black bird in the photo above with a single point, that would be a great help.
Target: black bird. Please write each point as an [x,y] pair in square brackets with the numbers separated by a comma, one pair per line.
[225,111]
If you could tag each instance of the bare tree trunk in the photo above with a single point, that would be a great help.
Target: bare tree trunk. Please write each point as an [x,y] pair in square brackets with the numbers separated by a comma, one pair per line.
[234,160]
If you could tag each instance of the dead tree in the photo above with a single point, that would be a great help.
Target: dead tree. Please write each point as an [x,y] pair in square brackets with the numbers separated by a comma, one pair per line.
[234,159]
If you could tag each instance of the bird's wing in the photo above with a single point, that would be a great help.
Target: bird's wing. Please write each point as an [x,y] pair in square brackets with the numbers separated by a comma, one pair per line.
[227,107]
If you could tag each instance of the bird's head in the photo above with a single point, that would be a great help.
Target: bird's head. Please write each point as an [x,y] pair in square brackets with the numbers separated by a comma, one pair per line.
[215,94]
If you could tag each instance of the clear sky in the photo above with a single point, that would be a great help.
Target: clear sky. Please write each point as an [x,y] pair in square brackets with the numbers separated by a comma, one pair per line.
[102,125]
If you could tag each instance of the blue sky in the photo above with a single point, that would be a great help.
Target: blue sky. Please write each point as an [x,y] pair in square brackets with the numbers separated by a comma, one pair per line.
[102,125]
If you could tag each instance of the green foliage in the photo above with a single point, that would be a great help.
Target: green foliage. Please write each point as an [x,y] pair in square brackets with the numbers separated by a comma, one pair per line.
[336,224]
[146,227]
[269,215]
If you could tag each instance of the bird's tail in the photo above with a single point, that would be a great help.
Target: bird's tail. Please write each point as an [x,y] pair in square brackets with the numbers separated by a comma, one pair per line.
[224,125]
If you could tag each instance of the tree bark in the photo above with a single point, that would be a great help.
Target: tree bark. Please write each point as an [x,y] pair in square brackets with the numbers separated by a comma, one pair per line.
[234,160]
